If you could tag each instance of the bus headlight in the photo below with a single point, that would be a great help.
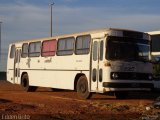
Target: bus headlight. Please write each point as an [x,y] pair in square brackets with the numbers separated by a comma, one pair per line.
[114,75]
[150,77]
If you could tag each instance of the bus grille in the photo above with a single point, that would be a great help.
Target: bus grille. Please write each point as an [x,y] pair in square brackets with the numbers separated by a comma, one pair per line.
[130,76]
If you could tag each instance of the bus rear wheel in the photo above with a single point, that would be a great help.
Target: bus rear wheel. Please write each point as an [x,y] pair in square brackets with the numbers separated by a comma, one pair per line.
[82,88]
[25,84]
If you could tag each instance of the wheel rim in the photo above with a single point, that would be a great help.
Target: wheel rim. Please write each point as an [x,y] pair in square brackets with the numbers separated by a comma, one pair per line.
[83,88]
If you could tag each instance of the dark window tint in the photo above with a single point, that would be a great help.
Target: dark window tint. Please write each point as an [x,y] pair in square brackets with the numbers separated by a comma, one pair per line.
[34,49]
[17,56]
[82,44]
[20,51]
[101,50]
[95,53]
[49,48]
[100,75]
[155,43]
[94,75]
[65,46]
[12,51]
[25,50]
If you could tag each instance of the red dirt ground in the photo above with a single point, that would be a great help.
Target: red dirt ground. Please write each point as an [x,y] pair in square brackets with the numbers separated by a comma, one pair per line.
[45,104]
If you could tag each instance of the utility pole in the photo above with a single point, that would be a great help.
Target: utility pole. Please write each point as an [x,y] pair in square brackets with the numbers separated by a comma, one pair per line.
[0,40]
[51,4]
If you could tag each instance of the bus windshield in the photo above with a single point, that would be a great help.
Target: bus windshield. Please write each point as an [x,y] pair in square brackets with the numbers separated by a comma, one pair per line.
[119,49]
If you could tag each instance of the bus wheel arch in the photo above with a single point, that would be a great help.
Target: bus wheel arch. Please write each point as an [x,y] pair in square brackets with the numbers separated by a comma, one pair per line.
[76,80]
[82,88]
[24,79]
[25,83]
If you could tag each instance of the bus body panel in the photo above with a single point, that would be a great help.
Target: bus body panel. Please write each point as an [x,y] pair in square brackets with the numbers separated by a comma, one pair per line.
[13,68]
[10,67]
[155,38]
[55,71]
[60,71]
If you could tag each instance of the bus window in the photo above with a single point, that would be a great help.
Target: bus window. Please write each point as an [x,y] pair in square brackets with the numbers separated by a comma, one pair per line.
[17,56]
[34,49]
[101,50]
[49,48]
[24,50]
[12,52]
[82,44]
[65,46]
[155,43]
[95,54]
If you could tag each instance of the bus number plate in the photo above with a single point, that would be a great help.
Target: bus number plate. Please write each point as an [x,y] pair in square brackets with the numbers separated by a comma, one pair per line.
[129,68]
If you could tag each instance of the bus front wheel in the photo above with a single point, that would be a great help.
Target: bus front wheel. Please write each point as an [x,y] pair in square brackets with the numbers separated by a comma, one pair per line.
[25,84]
[82,88]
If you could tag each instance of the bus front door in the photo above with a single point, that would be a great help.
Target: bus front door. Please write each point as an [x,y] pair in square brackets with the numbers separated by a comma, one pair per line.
[97,65]
[16,66]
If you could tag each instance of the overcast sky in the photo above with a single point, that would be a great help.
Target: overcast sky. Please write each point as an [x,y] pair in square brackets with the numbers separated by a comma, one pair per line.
[29,19]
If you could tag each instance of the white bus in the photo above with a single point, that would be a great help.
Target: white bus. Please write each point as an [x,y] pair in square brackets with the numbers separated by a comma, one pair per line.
[155,53]
[105,60]
[155,43]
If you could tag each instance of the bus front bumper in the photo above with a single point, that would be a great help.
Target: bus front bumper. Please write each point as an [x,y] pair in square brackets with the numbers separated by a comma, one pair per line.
[127,85]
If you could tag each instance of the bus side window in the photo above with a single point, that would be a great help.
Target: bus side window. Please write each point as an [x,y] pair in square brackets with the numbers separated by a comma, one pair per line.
[101,50]
[34,49]
[66,46]
[24,50]
[83,44]
[12,51]
[17,56]
[49,48]
[95,54]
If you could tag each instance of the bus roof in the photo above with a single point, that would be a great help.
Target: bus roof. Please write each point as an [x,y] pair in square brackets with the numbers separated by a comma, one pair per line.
[154,32]
[76,34]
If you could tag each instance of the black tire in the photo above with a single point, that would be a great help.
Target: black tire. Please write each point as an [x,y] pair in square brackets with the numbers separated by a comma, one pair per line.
[82,88]
[25,84]
[32,88]
[121,95]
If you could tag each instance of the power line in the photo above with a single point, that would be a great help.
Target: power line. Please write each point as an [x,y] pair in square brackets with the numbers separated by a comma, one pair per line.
[0,41]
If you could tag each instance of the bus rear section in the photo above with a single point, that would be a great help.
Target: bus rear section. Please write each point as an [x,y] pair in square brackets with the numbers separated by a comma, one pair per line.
[155,56]
[99,61]
[13,69]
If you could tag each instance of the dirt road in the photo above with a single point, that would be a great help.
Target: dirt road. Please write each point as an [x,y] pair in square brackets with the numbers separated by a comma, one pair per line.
[61,105]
